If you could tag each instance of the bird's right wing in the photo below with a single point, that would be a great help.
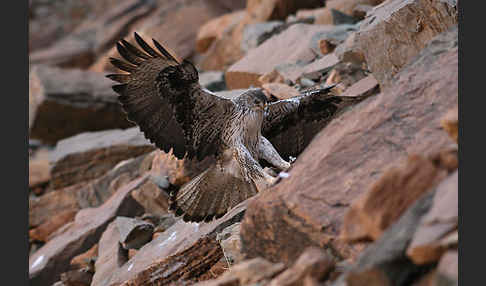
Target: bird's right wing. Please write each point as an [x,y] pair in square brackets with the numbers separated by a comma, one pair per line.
[291,124]
[163,97]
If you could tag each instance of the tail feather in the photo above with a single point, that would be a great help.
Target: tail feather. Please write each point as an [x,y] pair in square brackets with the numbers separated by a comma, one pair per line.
[210,195]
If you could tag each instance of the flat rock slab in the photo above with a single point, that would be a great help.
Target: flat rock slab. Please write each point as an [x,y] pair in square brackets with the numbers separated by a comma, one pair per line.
[396,31]
[47,263]
[172,243]
[350,154]
[111,255]
[296,39]
[63,103]
[46,208]
[90,155]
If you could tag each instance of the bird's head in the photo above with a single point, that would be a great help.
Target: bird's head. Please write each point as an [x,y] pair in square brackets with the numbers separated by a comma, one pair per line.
[254,99]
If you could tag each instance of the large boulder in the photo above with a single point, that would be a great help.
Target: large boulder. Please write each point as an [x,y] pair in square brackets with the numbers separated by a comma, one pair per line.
[54,206]
[47,263]
[346,157]
[394,33]
[73,158]
[63,103]
[173,248]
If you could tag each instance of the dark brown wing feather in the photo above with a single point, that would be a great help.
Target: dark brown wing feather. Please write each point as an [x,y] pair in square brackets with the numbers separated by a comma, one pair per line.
[291,124]
[163,97]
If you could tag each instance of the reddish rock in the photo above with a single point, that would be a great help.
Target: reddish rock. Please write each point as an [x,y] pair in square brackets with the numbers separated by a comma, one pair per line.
[164,24]
[39,172]
[94,36]
[249,272]
[73,158]
[92,194]
[271,77]
[450,123]
[312,266]
[277,9]
[389,197]
[44,208]
[111,255]
[366,86]
[383,262]
[63,103]
[186,267]
[350,154]
[43,231]
[47,263]
[51,21]
[153,199]
[173,245]
[442,219]
[349,51]
[280,90]
[216,28]
[246,72]
[86,259]
[226,50]
[395,32]
[326,47]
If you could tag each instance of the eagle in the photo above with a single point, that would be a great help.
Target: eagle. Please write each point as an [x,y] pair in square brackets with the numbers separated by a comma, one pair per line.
[162,95]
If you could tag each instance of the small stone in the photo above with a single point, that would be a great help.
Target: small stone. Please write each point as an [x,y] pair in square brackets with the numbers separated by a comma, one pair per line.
[450,123]
[271,77]
[305,82]
[134,233]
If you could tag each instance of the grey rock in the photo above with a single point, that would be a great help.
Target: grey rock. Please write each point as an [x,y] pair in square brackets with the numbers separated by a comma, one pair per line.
[212,80]
[134,233]
[388,253]
[335,36]
[255,34]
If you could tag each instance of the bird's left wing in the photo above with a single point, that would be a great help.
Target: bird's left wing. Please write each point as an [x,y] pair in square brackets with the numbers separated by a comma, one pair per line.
[164,98]
[291,124]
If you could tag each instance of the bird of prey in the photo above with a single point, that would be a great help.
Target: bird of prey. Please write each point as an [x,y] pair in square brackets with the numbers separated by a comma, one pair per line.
[162,95]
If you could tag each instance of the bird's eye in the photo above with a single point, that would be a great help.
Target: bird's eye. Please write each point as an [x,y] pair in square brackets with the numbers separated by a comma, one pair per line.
[256,101]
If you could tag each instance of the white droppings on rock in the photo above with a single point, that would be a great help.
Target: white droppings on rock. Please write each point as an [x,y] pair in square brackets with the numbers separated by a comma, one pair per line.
[172,236]
[284,175]
[37,262]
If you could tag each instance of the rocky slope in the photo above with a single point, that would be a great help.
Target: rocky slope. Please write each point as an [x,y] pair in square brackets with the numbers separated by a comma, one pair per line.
[373,199]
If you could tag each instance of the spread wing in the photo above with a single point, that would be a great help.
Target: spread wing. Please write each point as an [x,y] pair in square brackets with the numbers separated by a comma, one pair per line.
[163,97]
[291,124]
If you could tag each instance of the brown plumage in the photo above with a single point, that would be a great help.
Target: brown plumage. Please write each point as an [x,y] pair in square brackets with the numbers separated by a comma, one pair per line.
[163,97]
